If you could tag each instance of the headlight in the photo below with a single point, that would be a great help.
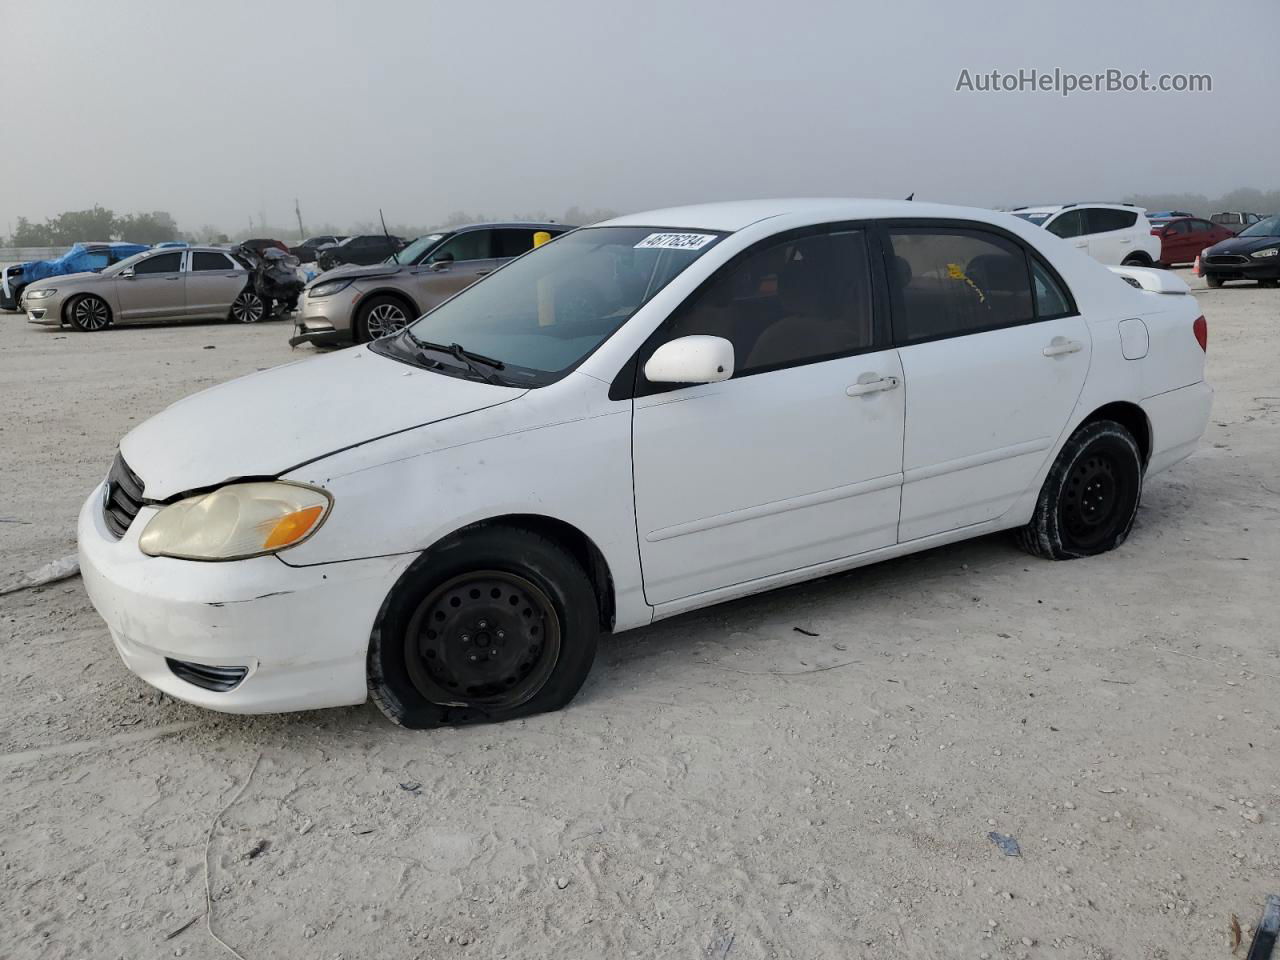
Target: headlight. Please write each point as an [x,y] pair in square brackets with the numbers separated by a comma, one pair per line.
[40,294]
[237,521]
[1269,252]
[328,288]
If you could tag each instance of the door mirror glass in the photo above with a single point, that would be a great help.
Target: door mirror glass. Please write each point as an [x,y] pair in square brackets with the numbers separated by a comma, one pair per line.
[126,273]
[693,359]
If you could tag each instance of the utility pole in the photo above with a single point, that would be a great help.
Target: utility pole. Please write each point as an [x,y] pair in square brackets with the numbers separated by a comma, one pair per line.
[302,233]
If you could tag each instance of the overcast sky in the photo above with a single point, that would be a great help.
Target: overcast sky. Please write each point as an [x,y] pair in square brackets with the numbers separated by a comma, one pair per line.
[219,111]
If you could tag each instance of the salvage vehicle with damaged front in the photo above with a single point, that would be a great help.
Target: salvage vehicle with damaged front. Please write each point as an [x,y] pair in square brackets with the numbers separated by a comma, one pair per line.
[1252,254]
[644,417]
[360,304]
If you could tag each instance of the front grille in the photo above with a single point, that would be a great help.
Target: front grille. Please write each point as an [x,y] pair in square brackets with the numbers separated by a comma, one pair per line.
[217,679]
[122,499]
[1227,258]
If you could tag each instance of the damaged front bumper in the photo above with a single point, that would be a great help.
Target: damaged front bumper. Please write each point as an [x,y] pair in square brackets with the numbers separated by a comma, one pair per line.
[241,636]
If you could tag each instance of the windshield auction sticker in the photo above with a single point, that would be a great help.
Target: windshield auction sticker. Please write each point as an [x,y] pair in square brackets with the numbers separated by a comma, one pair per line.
[675,241]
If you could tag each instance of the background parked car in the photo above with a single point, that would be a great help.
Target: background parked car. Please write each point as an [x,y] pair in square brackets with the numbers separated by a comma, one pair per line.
[1168,214]
[196,283]
[306,250]
[1252,254]
[1182,239]
[1114,233]
[81,258]
[366,303]
[1237,220]
[360,250]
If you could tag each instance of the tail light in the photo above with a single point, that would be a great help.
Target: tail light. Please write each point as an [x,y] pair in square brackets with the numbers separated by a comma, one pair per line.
[1201,329]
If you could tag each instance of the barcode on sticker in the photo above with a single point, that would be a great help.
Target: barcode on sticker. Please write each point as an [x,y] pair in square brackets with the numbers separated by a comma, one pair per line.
[675,241]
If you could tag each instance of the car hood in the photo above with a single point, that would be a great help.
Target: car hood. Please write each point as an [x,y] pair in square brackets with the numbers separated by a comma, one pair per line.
[357,273]
[1243,245]
[67,277]
[270,422]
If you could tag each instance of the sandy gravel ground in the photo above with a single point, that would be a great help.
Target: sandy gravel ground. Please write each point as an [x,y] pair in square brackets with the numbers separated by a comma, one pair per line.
[713,793]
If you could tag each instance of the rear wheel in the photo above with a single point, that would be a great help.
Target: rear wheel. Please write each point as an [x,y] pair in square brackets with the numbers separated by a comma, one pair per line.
[1090,497]
[249,307]
[501,623]
[89,313]
[380,317]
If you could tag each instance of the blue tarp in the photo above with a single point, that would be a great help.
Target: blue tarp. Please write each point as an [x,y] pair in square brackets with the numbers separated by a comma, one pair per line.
[81,258]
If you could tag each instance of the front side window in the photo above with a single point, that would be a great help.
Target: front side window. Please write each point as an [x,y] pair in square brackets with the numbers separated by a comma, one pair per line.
[1069,224]
[541,315]
[204,260]
[947,282]
[797,301]
[161,263]
[473,245]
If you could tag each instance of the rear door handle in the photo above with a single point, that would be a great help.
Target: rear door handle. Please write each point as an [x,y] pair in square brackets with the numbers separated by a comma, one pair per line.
[1060,346]
[866,386]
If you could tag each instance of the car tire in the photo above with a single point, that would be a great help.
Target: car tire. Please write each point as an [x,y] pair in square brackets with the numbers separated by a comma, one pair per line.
[381,316]
[1213,282]
[89,313]
[248,307]
[1090,497]
[1136,260]
[1268,283]
[493,624]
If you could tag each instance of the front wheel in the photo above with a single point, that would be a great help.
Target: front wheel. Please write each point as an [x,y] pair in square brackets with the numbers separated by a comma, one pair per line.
[249,307]
[497,624]
[380,317]
[90,313]
[1090,497]
[1135,260]
[1214,282]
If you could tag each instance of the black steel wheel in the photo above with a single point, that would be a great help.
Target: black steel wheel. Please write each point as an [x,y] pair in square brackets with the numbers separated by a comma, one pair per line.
[89,313]
[494,623]
[1090,497]
[249,307]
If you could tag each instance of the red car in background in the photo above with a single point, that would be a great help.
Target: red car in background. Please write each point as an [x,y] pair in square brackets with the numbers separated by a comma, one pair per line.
[1182,238]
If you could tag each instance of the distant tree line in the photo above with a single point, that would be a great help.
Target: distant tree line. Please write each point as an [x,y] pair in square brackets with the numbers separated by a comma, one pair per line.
[1245,199]
[99,223]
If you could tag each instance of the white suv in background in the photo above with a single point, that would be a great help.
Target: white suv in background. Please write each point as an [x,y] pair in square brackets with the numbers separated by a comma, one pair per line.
[1114,233]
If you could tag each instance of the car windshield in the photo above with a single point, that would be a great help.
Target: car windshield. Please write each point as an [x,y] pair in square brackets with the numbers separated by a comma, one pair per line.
[1269,227]
[1037,218]
[544,312]
[416,250]
[126,262]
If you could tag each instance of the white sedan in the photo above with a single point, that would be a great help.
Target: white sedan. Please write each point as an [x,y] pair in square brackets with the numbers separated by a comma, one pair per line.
[640,418]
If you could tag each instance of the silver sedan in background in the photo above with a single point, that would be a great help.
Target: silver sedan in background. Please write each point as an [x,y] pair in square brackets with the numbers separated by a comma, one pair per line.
[194,283]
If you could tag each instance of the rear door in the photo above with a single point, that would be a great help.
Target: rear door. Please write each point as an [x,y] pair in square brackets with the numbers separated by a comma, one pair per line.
[794,461]
[214,280]
[157,288]
[994,356]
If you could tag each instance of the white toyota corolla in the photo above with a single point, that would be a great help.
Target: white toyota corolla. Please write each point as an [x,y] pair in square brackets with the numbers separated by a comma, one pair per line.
[637,419]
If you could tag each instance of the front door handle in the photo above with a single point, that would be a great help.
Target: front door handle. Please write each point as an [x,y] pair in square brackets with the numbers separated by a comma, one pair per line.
[1061,346]
[483,273]
[867,386]
[1083,243]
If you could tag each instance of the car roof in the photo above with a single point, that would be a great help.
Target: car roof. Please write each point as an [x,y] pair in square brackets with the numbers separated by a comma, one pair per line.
[503,225]
[735,215]
[1055,207]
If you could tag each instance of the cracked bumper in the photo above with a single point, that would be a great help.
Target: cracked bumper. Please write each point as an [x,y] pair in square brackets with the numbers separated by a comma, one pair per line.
[300,633]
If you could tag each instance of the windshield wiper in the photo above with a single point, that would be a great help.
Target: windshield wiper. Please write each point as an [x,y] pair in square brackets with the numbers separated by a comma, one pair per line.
[467,358]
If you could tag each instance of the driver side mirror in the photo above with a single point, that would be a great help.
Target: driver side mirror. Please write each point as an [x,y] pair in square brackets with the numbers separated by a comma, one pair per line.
[694,359]
[126,273]
[442,262]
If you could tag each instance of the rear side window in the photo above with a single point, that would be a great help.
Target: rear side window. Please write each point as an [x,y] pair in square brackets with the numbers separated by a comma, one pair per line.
[1102,220]
[797,301]
[512,243]
[949,282]
[1051,299]
[1069,224]
[204,260]
[161,263]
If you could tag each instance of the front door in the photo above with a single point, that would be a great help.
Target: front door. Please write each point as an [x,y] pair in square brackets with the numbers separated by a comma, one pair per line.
[994,357]
[794,461]
[458,262]
[214,280]
[155,290]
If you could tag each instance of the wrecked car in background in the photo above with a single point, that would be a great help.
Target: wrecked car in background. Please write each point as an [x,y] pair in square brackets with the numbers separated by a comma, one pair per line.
[81,258]
[364,303]
[194,283]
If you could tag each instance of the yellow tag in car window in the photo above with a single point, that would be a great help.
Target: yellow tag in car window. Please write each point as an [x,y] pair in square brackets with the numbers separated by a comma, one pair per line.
[541,237]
